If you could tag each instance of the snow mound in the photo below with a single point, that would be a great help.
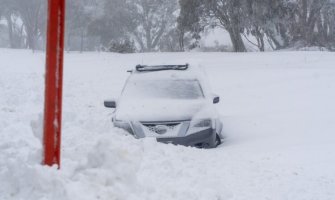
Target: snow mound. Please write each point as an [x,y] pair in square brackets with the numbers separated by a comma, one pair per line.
[277,109]
[107,172]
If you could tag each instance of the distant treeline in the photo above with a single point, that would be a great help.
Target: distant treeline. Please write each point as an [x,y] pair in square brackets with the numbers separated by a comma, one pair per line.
[172,25]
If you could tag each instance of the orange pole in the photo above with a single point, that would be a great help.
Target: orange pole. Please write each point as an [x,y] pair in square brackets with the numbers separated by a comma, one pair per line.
[54,82]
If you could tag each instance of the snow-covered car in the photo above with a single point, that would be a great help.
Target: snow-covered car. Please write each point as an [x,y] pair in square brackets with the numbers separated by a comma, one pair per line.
[172,103]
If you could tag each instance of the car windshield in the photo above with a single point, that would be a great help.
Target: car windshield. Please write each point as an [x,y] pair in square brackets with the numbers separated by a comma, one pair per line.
[173,89]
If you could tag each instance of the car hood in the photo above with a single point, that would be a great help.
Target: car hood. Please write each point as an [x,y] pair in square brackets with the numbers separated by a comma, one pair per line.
[151,110]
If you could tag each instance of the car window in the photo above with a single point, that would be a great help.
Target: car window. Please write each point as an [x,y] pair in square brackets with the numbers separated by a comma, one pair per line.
[174,89]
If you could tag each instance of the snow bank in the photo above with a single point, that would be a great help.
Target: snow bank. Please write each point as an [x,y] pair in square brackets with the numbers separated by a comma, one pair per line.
[108,171]
[277,110]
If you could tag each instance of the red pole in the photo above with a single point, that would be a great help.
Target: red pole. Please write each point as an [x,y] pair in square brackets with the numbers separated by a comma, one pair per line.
[54,82]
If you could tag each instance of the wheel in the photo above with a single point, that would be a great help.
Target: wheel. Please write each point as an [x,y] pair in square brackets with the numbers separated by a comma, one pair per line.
[217,140]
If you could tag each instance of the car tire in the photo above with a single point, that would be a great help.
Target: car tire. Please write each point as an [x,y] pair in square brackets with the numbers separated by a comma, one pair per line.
[217,140]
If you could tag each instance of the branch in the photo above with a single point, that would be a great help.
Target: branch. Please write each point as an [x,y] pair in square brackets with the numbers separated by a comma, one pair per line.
[249,40]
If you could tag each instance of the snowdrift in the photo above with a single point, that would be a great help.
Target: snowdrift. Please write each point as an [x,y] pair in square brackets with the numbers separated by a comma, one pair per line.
[277,109]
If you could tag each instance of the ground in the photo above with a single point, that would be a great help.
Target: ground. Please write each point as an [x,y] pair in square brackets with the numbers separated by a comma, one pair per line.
[277,109]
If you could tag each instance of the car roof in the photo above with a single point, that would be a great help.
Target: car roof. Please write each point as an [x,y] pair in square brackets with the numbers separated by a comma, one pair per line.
[185,72]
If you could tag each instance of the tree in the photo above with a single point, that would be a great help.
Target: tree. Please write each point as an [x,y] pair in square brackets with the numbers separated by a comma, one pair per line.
[8,12]
[310,22]
[77,21]
[152,18]
[264,19]
[304,20]
[153,25]
[190,21]
[229,15]
[31,14]
[328,25]
[114,24]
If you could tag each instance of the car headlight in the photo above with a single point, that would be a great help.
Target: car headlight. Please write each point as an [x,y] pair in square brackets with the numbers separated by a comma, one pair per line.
[124,125]
[203,123]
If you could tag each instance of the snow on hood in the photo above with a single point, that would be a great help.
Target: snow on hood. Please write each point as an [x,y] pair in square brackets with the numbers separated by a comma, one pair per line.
[159,109]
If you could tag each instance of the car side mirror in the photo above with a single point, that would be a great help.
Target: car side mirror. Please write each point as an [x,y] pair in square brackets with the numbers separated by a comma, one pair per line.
[110,104]
[216,99]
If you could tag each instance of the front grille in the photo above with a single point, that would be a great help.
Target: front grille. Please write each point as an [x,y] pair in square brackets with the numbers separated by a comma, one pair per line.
[161,128]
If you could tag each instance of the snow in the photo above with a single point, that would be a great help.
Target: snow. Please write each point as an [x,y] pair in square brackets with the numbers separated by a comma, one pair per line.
[218,39]
[156,96]
[277,109]
[150,110]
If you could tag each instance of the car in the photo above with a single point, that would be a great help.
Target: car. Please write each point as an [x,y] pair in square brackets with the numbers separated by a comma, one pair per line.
[172,103]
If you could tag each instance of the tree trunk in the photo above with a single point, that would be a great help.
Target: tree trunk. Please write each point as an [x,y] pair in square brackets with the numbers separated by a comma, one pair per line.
[260,40]
[181,41]
[82,41]
[10,30]
[236,39]
[68,42]
[148,39]
[31,44]
[282,32]
[276,42]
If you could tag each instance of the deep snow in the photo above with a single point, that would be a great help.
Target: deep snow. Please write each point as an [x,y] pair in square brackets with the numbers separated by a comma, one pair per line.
[277,109]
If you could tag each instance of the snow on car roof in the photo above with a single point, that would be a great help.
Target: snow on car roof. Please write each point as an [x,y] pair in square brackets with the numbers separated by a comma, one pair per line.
[192,73]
